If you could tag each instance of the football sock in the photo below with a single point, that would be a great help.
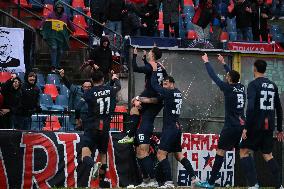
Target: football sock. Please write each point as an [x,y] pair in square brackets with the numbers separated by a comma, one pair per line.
[134,124]
[142,168]
[188,167]
[159,173]
[248,166]
[216,168]
[166,167]
[147,164]
[274,168]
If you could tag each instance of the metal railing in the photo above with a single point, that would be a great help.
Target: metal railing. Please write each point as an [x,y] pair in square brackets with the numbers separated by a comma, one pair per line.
[116,39]
[56,120]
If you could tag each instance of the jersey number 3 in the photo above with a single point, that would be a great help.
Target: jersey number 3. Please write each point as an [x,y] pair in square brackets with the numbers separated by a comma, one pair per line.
[178,106]
[267,100]
[241,101]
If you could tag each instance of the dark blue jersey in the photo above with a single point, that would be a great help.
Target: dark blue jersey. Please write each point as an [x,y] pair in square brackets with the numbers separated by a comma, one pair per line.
[235,98]
[100,99]
[147,70]
[172,104]
[263,101]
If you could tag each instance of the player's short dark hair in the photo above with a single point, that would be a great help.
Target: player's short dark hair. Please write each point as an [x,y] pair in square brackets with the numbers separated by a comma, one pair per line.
[170,78]
[157,53]
[260,66]
[97,76]
[235,76]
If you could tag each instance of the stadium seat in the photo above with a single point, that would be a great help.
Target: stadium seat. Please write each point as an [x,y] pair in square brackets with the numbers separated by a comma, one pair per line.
[188,3]
[191,34]
[45,101]
[47,9]
[40,81]
[36,4]
[78,3]
[224,37]
[64,90]
[80,24]
[275,29]
[36,123]
[23,3]
[278,37]
[53,79]
[52,124]
[51,90]
[62,100]
[120,108]
[4,76]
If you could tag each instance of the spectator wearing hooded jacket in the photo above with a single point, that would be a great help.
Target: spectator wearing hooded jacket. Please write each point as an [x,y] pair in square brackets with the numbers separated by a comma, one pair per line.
[56,29]
[243,12]
[29,101]
[102,58]
[171,15]
[260,14]
[12,93]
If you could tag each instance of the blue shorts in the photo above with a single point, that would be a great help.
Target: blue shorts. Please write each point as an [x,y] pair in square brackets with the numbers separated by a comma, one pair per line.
[170,140]
[261,140]
[96,139]
[145,130]
[230,138]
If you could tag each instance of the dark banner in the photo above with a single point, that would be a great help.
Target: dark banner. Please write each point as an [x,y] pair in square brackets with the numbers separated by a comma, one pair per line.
[52,159]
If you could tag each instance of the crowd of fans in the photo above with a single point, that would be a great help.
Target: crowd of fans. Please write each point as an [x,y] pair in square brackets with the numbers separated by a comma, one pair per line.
[209,17]
[18,101]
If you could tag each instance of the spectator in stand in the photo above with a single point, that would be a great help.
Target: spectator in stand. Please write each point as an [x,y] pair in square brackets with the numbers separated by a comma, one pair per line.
[276,9]
[56,29]
[98,13]
[243,12]
[219,23]
[114,12]
[76,94]
[260,15]
[29,101]
[204,15]
[101,58]
[2,118]
[171,15]
[11,91]
[131,23]
[149,14]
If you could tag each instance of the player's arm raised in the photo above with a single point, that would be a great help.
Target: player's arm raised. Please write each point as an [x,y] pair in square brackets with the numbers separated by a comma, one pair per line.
[140,69]
[116,83]
[212,73]
[222,61]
